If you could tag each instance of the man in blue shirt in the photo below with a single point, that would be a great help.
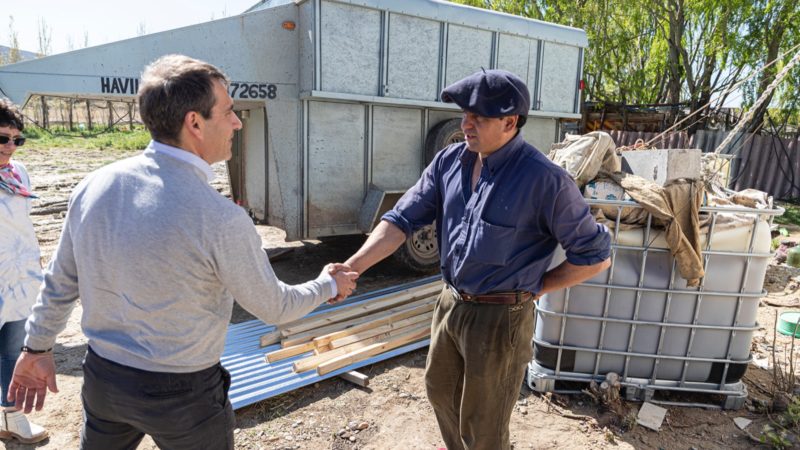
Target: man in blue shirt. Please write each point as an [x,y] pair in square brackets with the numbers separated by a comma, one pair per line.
[501,209]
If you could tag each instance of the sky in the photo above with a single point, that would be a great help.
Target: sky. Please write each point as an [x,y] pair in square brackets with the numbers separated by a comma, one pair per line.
[105,20]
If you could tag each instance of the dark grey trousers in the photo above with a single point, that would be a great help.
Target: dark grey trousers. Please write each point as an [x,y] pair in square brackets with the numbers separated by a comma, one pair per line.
[178,410]
[476,363]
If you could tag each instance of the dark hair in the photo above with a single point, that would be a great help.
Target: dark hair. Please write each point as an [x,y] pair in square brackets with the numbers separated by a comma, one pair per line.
[172,86]
[10,115]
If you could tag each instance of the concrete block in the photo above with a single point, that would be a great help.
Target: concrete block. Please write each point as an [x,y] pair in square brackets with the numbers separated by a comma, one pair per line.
[664,165]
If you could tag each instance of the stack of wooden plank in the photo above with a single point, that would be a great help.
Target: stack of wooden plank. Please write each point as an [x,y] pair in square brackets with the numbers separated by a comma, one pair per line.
[352,333]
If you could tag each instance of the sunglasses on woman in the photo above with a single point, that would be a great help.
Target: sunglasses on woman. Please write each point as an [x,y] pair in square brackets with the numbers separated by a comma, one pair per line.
[19,142]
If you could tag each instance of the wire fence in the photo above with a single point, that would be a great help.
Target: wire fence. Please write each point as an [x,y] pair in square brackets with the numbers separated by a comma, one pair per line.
[51,112]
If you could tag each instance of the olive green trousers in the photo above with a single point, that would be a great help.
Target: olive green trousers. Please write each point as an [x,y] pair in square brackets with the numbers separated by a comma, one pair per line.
[475,367]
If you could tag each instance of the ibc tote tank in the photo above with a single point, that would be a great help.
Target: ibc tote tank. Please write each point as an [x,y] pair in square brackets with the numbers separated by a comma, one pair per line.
[640,320]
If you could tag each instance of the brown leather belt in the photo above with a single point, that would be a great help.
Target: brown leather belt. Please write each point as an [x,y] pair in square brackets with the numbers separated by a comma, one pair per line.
[494,298]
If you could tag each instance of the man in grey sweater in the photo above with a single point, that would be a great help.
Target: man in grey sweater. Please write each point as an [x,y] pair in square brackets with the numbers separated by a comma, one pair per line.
[157,257]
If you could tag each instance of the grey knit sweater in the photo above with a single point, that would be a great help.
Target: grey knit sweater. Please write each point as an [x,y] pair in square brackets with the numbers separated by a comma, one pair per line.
[157,257]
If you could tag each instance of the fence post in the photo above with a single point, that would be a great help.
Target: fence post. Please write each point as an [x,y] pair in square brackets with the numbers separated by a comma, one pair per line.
[110,114]
[71,120]
[89,114]
[45,121]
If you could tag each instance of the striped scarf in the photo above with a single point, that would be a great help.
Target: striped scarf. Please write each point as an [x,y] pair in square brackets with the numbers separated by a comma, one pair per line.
[11,182]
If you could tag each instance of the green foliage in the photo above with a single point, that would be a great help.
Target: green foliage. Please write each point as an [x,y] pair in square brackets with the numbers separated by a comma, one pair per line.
[793,413]
[777,439]
[689,51]
[99,138]
[776,241]
[772,26]
[783,431]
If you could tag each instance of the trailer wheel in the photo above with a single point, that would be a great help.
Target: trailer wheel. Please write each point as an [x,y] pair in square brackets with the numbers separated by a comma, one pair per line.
[441,135]
[420,252]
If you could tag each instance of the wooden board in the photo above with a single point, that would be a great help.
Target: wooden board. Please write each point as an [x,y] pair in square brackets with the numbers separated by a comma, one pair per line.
[362,309]
[313,361]
[414,320]
[288,352]
[376,322]
[371,350]
[314,333]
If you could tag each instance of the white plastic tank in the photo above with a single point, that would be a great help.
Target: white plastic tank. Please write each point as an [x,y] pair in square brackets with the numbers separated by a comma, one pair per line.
[640,320]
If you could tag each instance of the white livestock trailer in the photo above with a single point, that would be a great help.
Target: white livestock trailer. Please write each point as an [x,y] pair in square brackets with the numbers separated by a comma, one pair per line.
[339,98]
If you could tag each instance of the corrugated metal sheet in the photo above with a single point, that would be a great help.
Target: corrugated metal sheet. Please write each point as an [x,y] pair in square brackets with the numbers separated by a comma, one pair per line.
[767,163]
[253,379]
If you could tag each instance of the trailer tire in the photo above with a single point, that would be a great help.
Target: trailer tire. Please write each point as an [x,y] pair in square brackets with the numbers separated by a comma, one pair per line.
[420,252]
[441,135]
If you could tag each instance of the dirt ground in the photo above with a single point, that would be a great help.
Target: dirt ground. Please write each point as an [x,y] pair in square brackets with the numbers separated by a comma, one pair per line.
[394,405]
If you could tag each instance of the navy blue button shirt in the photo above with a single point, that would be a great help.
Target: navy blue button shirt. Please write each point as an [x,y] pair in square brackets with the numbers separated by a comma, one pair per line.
[501,237]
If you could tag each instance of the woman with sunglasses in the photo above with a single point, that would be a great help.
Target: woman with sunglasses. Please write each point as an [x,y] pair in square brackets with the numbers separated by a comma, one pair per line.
[20,269]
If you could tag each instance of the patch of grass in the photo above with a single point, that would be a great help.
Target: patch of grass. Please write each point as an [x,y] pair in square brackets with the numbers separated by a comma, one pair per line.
[97,138]
[792,214]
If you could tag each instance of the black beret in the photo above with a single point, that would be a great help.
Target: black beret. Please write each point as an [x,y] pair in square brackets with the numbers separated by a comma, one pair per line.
[490,93]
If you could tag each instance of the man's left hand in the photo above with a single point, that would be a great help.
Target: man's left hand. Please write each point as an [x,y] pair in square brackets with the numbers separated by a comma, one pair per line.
[34,374]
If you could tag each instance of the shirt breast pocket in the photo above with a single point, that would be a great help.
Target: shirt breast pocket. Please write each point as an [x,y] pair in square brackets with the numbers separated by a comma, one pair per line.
[493,244]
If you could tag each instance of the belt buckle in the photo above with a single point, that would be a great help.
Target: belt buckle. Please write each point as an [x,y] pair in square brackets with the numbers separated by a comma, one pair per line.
[520,297]
[525,296]
[461,297]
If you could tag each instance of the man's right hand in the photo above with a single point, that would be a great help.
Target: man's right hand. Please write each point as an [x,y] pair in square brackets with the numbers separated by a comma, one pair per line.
[34,374]
[345,280]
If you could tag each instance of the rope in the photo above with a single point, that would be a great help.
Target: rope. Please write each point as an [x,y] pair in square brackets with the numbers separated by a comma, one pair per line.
[731,89]
[764,96]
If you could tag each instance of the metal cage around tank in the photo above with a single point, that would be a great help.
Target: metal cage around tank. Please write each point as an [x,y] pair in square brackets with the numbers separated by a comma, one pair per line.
[640,320]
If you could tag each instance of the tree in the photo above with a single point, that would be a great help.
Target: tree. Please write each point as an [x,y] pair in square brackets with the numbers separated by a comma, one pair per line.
[45,36]
[772,28]
[703,60]
[625,61]
[13,40]
[682,52]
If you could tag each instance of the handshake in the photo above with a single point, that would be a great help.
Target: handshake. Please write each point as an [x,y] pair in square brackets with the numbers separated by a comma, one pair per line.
[345,279]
